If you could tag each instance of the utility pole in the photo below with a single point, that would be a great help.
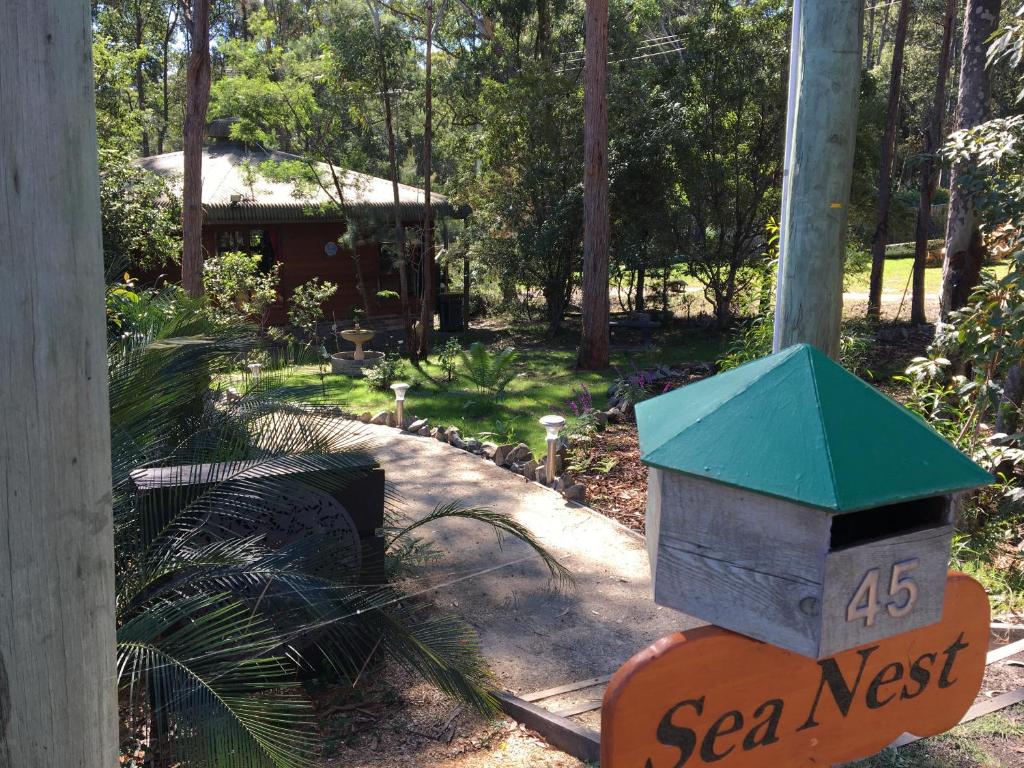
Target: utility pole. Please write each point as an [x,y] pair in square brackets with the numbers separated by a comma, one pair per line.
[58,696]
[821,129]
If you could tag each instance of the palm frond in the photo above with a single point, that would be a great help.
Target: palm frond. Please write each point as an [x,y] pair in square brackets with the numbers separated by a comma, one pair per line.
[502,524]
[218,693]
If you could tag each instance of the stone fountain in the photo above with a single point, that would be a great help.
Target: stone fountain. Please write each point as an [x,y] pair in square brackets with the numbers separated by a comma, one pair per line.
[352,363]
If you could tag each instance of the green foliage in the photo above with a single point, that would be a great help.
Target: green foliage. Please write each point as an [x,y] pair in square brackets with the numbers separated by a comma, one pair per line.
[305,309]
[448,357]
[490,371]
[726,143]
[237,287]
[389,369]
[263,90]
[140,216]
[527,198]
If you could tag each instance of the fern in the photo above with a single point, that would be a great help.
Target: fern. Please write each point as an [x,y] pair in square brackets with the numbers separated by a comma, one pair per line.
[490,371]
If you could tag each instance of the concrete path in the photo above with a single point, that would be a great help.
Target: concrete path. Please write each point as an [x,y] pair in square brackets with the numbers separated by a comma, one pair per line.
[534,636]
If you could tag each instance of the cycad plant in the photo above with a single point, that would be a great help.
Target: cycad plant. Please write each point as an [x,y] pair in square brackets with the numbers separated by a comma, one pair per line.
[490,371]
[215,623]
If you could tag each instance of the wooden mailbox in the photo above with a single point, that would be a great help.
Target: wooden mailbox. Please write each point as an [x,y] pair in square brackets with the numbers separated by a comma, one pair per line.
[793,503]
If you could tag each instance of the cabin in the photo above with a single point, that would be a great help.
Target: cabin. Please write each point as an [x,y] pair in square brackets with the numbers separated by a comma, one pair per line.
[285,208]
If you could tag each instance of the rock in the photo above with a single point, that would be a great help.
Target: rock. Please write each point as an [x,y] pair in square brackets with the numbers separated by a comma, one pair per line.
[575,492]
[392,419]
[540,475]
[382,418]
[518,454]
[474,445]
[424,431]
[501,454]
[613,415]
[489,450]
[452,432]
[517,468]
[417,425]
[231,395]
[563,481]
[456,442]
[530,470]
[601,419]
[438,434]
[366,417]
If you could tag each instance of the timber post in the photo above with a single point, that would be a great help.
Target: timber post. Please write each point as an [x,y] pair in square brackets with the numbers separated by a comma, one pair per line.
[58,702]
[820,138]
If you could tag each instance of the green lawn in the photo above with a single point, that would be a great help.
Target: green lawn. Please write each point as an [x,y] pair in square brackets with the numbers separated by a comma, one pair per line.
[544,383]
[897,273]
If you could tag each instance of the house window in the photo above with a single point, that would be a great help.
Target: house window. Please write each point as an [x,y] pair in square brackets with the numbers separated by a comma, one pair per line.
[251,241]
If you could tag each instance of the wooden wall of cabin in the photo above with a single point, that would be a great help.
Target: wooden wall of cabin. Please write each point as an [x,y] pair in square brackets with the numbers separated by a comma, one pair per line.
[299,248]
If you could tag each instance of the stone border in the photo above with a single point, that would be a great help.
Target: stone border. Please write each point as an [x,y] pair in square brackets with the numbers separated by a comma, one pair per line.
[515,457]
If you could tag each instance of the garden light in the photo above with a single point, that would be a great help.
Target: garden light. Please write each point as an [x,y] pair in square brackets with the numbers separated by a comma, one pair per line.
[254,369]
[400,390]
[553,426]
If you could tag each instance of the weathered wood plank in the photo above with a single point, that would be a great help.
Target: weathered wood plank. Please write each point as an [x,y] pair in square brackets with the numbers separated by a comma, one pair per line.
[548,693]
[998,654]
[580,742]
[57,639]
[925,553]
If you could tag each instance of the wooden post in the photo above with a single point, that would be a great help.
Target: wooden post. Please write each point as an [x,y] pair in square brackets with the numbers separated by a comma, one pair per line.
[825,85]
[58,702]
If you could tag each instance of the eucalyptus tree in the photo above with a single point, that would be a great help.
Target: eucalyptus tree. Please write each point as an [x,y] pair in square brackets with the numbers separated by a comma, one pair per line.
[880,237]
[197,99]
[961,267]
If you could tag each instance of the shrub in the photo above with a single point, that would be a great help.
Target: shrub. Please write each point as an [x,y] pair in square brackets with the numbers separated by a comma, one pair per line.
[448,358]
[386,372]
[305,309]
[237,288]
[490,371]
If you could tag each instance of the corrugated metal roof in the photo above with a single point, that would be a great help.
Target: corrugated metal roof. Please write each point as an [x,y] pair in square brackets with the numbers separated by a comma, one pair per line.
[236,191]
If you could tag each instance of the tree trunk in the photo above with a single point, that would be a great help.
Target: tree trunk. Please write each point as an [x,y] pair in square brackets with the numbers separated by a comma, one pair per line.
[427,307]
[880,238]
[961,267]
[161,133]
[640,303]
[197,99]
[594,342]
[819,169]
[58,678]
[542,47]
[411,342]
[929,167]
[869,60]
[140,76]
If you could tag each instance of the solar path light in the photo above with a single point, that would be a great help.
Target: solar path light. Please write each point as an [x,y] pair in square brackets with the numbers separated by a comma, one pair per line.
[553,426]
[400,390]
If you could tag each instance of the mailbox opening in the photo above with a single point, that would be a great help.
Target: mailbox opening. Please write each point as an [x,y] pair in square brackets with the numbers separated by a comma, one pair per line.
[856,528]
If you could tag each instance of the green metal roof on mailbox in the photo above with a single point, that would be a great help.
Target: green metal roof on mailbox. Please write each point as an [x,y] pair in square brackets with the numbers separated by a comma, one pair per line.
[799,426]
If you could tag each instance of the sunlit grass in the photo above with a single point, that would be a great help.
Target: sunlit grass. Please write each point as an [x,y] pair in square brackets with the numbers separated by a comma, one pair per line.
[545,381]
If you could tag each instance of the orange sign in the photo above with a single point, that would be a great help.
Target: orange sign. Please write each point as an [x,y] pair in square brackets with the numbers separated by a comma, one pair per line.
[711,697]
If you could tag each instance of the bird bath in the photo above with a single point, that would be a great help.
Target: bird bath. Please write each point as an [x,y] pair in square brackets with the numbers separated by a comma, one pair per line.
[358,336]
[353,363]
